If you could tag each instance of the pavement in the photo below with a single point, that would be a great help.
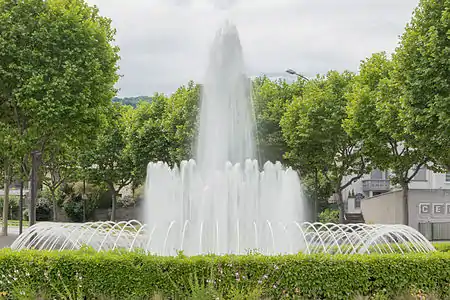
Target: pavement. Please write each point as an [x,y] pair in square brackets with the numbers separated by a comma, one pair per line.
[6,241]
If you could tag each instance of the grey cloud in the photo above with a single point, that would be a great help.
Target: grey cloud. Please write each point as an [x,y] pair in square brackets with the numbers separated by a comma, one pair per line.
[165,43]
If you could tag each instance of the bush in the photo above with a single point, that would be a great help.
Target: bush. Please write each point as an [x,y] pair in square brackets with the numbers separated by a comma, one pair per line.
[442,246]
[329,216]
[72,200]
[116,275]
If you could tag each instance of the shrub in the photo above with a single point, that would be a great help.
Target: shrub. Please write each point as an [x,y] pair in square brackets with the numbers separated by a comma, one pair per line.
[72,200]
[442,247]
[118,275]
[329,216]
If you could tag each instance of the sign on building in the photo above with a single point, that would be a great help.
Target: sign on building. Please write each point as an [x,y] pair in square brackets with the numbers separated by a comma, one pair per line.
[437,209]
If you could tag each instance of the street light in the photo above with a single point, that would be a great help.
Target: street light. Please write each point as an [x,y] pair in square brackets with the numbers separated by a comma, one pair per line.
[292,72]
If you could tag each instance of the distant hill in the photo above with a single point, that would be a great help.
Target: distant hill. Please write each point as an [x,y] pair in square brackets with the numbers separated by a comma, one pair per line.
[133,101]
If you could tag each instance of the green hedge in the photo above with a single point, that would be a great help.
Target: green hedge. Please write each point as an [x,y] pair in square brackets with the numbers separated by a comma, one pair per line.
[115,275]
[442,246]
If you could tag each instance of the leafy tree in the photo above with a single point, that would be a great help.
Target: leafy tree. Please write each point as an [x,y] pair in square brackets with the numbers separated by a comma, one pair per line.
[148,139]
[58,69]
[312,127]
[10,149]
[270,100]
[180,121]
[59,165]
[109,162]
[423,72]
[374,116]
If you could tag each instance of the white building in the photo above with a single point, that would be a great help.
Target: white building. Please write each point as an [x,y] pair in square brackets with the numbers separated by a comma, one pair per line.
[378,182]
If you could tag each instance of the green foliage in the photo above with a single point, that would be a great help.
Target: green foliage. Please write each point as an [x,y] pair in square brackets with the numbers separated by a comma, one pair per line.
[123,275]
[73,203]
[423,73]
[132,101]
[110,161]
[374,116]
[148,141]
[58,68]
[270,100]
[442,247]
[329,216]
[313,129]
[180,121]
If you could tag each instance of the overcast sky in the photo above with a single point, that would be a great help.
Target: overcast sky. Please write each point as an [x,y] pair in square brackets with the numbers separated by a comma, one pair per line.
[164,43]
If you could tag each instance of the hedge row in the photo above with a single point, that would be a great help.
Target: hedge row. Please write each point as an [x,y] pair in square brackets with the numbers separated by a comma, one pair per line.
[115,275]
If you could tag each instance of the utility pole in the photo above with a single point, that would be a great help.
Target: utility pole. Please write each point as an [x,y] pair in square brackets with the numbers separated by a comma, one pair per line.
[36,155]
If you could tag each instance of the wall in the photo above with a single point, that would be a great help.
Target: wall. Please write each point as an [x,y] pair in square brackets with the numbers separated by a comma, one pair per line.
[351,206]
[383,209]
[429,207]
[433,181]
[435,206]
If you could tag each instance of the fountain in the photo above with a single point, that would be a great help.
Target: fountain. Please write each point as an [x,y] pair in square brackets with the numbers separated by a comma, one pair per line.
[222,202]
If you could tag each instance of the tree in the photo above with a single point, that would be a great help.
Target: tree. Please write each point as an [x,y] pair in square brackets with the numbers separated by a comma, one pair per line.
[148,139]
[270,100]
[59,165]
[312,127]
[109,161]
[374,116]
[10,149]
[58,68]
[423,72]
[180,121]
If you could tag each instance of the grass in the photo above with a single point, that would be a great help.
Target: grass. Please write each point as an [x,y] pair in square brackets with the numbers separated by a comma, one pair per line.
[15,223]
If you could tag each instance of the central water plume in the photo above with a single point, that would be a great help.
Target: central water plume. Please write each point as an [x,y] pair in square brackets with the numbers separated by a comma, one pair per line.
[227,125]
[222,202]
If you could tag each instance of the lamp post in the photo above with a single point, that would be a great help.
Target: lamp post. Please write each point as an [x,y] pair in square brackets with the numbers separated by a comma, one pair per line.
[292,72]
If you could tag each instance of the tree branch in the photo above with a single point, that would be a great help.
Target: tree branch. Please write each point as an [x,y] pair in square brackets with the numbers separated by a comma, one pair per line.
[418,167]
[353,179]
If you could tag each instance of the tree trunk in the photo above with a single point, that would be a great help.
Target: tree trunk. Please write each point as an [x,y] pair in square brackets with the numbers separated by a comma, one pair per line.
[21,208]
[6,201]
[113,204]
[316,197]
[52,192]
[340,205]
[405,193]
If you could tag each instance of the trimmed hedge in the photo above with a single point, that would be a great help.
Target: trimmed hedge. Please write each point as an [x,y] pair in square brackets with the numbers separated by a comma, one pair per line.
[116,275]
[442,246]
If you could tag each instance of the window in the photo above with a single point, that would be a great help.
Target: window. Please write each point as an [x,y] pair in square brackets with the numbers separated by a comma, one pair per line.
[421,174]
[376,174]
[358,202]
[447,177]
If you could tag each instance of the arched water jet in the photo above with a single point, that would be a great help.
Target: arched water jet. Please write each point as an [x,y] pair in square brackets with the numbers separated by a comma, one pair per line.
[312,237]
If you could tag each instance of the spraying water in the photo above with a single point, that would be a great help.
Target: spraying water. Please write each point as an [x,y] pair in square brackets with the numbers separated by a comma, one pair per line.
[222,202]
[227,127]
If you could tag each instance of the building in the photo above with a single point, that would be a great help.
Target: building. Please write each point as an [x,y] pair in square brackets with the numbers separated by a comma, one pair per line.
[379,201]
